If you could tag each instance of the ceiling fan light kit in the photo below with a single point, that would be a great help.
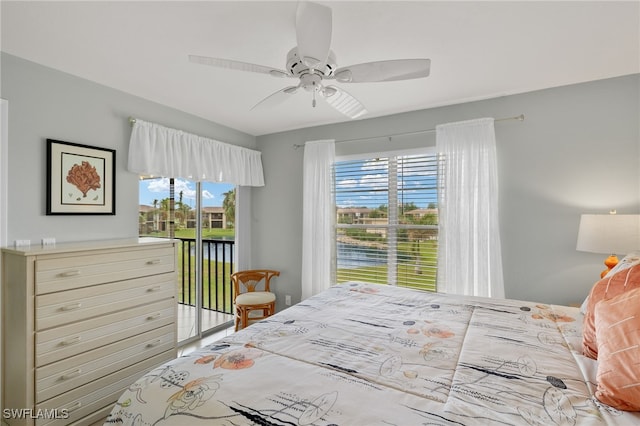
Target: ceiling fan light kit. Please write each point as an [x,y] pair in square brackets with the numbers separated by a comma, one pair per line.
[312,61]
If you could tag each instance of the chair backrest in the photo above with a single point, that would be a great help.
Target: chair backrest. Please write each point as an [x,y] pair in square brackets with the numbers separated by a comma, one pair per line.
[247,281]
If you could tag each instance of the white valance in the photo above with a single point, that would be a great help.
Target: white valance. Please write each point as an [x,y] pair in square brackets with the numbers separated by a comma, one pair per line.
[160,151]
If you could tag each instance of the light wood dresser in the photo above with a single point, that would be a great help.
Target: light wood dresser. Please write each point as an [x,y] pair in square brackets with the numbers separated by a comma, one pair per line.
[81,322]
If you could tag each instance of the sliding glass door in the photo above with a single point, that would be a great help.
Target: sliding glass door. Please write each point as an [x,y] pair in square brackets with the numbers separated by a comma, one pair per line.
[201,216]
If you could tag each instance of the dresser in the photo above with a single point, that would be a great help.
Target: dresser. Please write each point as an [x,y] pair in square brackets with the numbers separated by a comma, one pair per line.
[81,322]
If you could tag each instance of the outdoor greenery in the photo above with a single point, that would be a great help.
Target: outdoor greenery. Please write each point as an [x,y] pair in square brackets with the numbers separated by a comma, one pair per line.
[211,234]
[184,215]
[416,249]
[362,235]
[213,272]
[417,267]
[229,206]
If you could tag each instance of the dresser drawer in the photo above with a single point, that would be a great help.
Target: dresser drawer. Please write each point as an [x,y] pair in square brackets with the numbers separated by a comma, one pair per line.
[57,273]
[69,373]
[86,399]
[62,342]
[60,308]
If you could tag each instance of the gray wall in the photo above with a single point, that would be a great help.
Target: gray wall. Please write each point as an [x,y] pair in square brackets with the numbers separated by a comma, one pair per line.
[576,152]
[45,103]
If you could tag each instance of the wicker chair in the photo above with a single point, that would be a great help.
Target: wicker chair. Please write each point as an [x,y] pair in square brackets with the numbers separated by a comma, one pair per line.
[248,300]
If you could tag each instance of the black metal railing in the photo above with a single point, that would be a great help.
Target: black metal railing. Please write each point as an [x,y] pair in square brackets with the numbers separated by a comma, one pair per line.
[217,267]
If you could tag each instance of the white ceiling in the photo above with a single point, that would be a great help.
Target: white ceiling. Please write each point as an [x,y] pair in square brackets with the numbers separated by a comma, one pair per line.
[478,50]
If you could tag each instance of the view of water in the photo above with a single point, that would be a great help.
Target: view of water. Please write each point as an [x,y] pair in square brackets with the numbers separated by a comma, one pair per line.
[352,256]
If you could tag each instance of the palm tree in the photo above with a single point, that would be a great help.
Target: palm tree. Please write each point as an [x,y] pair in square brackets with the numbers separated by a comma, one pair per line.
[155,215]
[229,205]
[415,236]
[184,210]
[165,207]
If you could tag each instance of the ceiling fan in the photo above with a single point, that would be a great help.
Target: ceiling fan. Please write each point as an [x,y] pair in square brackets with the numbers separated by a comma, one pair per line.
[312,62]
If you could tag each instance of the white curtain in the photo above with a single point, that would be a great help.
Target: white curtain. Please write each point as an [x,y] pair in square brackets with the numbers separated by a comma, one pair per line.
[318,217]
[469,259]
[161,151]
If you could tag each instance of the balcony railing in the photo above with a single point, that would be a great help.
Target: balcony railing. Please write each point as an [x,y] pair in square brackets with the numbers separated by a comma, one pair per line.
[217,267]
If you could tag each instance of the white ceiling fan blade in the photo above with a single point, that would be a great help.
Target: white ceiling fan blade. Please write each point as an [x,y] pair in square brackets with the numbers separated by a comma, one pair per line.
[276,98]
[399,69]
[343,102]
[313,33]
[237,65]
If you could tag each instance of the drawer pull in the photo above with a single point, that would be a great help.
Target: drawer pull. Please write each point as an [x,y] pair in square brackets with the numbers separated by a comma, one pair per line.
[154,262]
[73,273]
[154,343]
[154,316]
[71,307]
[154,288]
[75,406]
[71,375]
[70,341]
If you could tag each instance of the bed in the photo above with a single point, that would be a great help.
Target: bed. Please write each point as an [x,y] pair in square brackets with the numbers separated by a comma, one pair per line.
[365,354]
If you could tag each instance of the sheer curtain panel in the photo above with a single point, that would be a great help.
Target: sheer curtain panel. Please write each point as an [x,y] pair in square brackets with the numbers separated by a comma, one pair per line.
[160,151]
[469,260]
[318,217]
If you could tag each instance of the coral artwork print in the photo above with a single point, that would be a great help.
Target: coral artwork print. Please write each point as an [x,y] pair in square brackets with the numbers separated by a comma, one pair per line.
[80,179]
[84,177]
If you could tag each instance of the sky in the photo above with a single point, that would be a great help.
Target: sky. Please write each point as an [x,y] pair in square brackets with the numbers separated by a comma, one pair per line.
[157,189]
[365,183]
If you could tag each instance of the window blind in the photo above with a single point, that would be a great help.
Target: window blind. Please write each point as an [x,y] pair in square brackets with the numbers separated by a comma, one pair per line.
[387,220]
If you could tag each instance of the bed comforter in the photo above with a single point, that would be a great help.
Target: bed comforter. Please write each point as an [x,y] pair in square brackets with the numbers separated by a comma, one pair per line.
[363,354]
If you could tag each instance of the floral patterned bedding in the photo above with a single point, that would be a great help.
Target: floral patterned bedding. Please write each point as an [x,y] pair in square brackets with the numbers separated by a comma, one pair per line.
[364,354]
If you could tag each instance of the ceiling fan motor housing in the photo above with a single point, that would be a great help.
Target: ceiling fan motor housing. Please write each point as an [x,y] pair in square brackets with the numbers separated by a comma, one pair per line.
[297,68]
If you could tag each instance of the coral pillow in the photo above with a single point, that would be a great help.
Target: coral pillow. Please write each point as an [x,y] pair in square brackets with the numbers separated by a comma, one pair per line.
[631,259]
[606,288]
[618,334]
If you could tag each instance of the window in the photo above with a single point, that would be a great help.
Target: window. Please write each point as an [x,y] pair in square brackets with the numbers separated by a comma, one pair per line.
[387,220]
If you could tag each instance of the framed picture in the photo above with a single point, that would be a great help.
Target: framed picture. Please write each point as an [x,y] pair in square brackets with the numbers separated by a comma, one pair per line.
[80,179]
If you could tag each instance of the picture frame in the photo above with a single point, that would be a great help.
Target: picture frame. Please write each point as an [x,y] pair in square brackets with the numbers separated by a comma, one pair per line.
[81,179]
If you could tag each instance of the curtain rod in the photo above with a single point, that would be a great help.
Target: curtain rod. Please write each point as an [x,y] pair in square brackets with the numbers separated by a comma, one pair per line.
[518,117]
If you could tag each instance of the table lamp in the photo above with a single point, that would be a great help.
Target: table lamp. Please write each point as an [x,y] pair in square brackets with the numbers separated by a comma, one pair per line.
[609,234]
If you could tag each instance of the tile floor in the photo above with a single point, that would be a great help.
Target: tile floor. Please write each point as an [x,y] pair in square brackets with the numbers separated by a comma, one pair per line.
[187,320]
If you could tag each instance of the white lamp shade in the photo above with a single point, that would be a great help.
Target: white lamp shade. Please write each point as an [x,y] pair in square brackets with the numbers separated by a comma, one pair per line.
[609,233]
